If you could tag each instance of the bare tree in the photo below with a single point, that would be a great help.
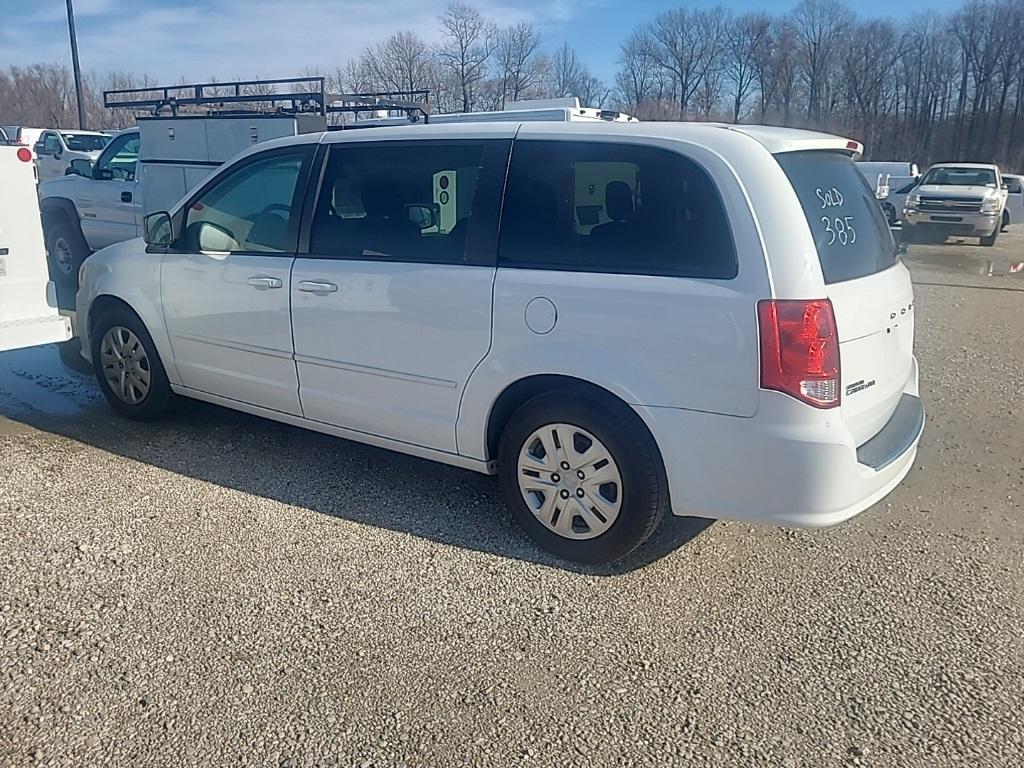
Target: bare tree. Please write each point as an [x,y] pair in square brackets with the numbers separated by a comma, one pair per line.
[746,43]
[819,27]
[468,41]
[684,43]
[517,55]
[569,76]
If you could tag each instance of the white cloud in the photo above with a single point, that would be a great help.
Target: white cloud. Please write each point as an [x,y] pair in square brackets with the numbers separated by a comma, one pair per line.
[238,38]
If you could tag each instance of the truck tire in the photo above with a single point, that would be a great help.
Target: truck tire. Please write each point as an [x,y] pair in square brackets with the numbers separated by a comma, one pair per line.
[582,476]
[66,249]
[990,239]
[1006,220]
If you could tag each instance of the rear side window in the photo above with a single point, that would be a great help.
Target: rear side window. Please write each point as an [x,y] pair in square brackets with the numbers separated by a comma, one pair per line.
[430,202]
[846,221]
[616,208]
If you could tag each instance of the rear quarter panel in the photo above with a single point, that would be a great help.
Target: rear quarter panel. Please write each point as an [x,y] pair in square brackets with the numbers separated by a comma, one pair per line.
[653,341]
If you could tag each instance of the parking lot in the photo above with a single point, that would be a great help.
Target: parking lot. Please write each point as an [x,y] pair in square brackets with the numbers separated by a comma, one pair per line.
[221,590]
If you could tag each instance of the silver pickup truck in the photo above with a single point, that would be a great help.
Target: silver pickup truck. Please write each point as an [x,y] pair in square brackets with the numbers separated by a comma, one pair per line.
[956,199]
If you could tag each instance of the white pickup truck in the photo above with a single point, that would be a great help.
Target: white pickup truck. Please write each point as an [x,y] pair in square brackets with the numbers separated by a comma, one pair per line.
[956,199]
[142,170]
[28,301]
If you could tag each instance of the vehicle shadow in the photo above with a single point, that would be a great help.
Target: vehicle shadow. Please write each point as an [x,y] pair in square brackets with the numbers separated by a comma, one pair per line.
[328,475]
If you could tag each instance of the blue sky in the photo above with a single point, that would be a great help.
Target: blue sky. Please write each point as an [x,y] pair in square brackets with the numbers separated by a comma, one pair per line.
[228,39]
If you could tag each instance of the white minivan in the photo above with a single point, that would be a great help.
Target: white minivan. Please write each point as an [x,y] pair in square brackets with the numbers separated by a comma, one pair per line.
[617,319]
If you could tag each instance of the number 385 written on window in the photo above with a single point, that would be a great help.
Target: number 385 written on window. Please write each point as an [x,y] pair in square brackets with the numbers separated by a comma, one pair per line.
[839,229]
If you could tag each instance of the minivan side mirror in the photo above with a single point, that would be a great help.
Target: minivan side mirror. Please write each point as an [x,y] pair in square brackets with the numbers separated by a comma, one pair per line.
[157,229]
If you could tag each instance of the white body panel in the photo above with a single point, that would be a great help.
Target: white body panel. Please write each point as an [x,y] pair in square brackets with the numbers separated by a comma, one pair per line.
[413,356]
[389,352]
[28,306]
[1015,198]
[229,337]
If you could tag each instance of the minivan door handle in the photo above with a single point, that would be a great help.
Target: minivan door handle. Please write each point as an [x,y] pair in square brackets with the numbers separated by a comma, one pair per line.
[262,282]
[317,286]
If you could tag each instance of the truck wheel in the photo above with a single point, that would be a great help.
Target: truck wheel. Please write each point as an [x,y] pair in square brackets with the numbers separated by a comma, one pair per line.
[990,239]
[66,249]
[1006,220]
[127,366]
[582,476]
[890,213]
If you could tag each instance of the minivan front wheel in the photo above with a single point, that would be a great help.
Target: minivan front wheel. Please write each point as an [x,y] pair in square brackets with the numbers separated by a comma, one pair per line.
[127,366]
[582,476]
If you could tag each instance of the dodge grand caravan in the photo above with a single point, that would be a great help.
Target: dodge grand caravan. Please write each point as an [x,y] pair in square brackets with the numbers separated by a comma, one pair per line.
[617,319]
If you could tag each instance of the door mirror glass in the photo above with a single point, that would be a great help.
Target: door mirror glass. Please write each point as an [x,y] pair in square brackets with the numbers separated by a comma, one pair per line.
[423,216]
[157,230]
[214,238]
[39,148]
[81,167]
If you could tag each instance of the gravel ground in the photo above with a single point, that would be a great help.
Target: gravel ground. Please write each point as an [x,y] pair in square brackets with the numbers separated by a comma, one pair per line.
[219,590]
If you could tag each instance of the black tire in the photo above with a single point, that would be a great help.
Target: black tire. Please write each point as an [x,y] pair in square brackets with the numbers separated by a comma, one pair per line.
[890,213]
[1006,221]
[644,487]
[159,396]
[66,249]
[990,240]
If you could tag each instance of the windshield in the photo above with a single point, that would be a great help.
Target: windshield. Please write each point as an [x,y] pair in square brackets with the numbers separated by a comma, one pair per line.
[963,177]
[848,226]
[78,142]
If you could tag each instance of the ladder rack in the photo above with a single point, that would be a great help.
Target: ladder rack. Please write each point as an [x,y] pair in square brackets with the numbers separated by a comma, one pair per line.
[290,95]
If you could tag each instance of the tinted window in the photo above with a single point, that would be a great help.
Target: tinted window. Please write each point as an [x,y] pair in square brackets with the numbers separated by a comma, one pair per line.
[249,209]
[121,156]
[1013,186]
[51,143]
[84,143]
[619,208]
[848,226]
[960,176]
[429,202]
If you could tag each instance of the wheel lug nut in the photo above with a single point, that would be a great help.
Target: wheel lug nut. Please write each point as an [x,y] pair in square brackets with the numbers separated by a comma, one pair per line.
[565,494]
[555,478]
[580,474]
[579,492]
[565,465]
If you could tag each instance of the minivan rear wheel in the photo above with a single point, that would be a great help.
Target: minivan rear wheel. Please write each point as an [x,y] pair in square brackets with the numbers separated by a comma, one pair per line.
[582,476]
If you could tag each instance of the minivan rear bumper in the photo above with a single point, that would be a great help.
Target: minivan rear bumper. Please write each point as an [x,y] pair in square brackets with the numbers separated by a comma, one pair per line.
[790,464]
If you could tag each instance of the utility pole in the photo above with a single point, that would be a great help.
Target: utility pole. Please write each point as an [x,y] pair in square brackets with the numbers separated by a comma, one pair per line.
[77,69]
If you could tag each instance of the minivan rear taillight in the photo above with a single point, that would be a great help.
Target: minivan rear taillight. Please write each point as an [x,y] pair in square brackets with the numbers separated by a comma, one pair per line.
[800,350]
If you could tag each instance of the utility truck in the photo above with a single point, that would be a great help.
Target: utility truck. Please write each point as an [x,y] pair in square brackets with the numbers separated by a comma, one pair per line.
[28,301]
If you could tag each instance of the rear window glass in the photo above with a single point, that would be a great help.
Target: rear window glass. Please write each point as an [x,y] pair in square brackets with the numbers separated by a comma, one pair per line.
[589,206]
[846,221]
[85,143]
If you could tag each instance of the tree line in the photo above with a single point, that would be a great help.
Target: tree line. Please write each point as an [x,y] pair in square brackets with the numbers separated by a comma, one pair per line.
[928,88]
